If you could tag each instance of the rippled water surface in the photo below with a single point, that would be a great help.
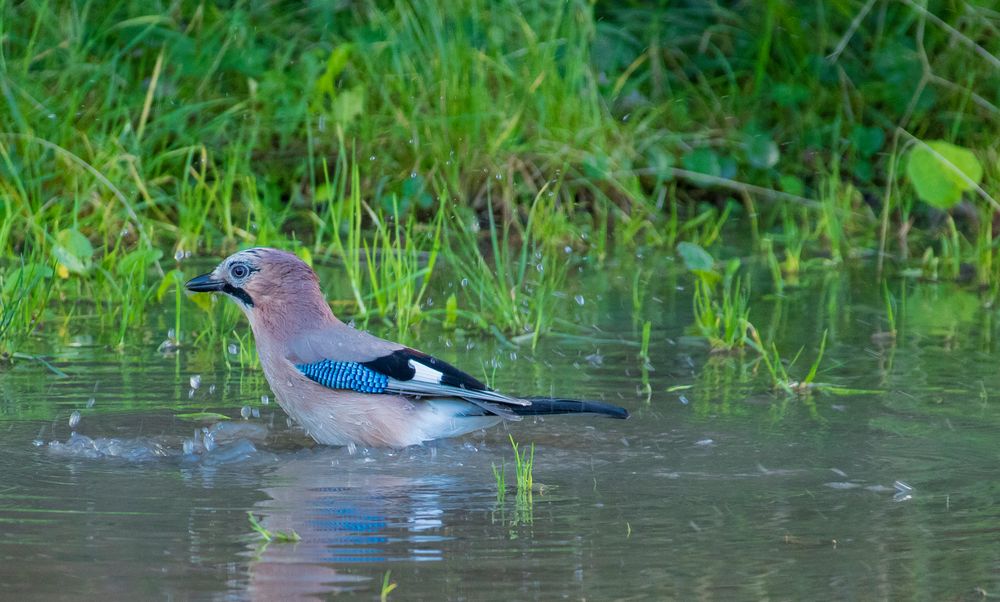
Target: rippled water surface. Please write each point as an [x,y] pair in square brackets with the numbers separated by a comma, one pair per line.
[716,488]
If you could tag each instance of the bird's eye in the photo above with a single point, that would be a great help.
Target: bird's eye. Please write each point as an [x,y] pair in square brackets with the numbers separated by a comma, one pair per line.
[239,271]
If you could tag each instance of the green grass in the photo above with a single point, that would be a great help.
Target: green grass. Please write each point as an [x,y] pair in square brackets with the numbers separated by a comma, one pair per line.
[524,483]
[387,587]
[512,285]
[500,476]
[268,536]
[721,304]
[394,137]
[524,464]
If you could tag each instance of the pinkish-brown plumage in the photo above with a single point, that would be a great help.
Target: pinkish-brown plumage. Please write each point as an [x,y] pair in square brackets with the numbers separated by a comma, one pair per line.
[393,396]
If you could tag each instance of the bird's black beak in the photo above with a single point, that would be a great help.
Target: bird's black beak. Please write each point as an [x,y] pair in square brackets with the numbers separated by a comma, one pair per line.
[205,284]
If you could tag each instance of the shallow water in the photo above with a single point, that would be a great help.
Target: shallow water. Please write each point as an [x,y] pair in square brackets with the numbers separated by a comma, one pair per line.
[717,487]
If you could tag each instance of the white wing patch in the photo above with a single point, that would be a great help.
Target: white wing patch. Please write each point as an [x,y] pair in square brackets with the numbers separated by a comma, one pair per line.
[425,373]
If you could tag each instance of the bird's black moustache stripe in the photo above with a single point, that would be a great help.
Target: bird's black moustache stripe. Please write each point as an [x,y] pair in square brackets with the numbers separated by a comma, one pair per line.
[237,292]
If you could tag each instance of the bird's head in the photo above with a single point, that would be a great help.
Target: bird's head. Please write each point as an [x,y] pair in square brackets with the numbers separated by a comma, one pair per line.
[265,281]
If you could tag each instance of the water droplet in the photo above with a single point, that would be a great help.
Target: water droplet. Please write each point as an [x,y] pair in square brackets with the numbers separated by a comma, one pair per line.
[171,334]
[264,399]
[465,282]
[627,115]
[499,176]
[52,115]
[74,419]
[372,158]
[190,393]
[195,381]
[233,350]
[179,255]
[579,299]
[413,174]
[211,389]
[245,412]
[91,402]
[208,440]
[513,355]
[255,413]
[38,443]
[540,267]
[568,249]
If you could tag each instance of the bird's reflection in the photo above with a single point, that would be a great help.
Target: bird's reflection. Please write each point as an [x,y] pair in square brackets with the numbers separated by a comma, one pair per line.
[347,510]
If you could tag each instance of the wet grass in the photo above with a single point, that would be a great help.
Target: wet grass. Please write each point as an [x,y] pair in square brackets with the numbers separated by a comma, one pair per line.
[523,511]
[268,535]
[387,586]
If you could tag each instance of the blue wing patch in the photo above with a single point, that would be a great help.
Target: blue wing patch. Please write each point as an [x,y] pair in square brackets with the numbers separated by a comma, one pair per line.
[345,375]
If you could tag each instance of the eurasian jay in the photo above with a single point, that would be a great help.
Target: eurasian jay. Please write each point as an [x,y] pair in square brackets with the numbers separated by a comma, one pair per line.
[343,385]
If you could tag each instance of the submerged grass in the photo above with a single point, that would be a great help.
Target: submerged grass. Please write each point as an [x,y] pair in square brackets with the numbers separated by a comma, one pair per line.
[524,461]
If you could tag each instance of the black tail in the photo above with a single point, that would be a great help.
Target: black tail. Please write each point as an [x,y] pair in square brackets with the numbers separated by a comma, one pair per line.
[549,405]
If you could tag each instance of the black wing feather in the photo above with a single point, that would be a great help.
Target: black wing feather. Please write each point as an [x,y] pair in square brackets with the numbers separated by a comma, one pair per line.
[397,365]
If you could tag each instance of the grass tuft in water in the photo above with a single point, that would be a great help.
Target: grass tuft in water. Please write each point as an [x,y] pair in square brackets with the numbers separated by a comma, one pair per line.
[500,476]
[524,462]
[387,588]
[268,535]
[722,314]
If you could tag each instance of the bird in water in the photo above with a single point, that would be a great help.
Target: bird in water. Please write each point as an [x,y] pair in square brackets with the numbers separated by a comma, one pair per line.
[344,385]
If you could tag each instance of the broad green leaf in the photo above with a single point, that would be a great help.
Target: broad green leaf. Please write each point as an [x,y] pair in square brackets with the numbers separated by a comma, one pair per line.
[696,259]
[348,104]
[662,164]
[136,262]
[867,141]
[941,171]
[790,95]
[761,151]
[703,160]
[792,185]
[73,251]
